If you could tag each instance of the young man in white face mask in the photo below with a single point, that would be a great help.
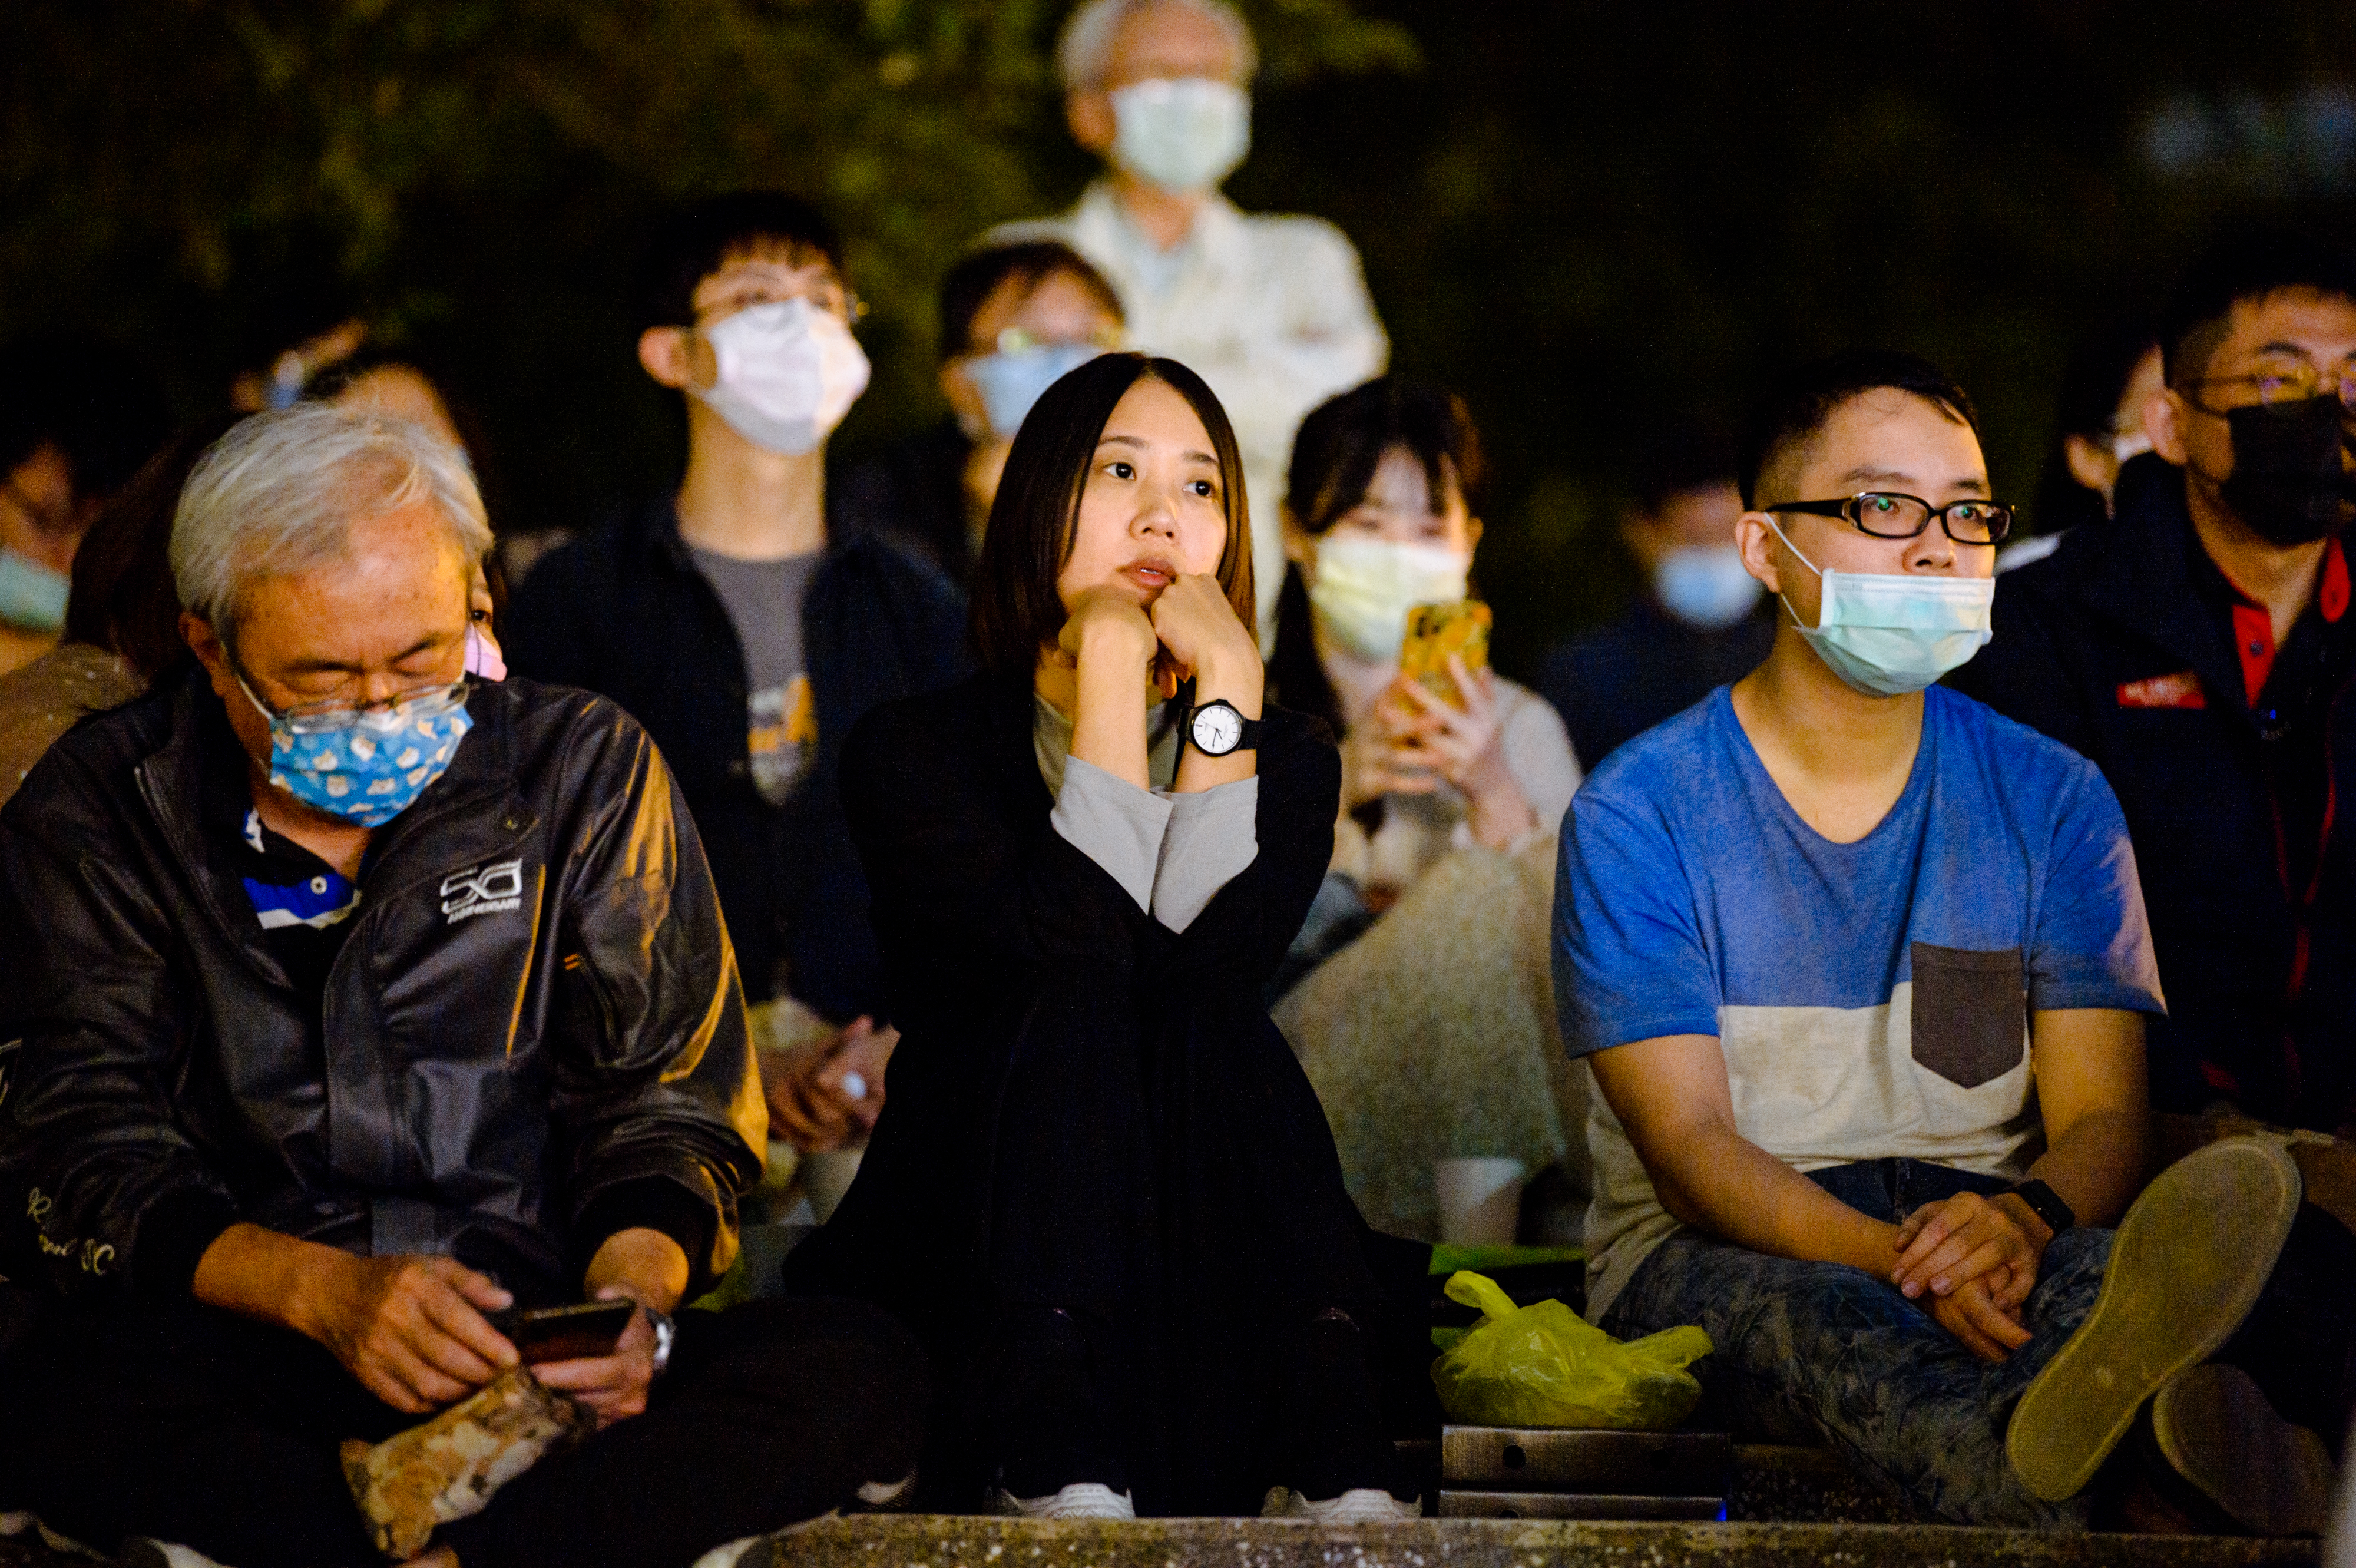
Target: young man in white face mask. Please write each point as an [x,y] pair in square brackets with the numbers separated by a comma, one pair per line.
[1698,623]
[1272,312]
[1861,969]
[747,631]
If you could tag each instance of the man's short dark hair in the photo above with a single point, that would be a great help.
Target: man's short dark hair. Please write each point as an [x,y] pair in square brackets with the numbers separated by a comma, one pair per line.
[1797,404]
[1683,458]
[2247,265]
[697,241]
[1027,264]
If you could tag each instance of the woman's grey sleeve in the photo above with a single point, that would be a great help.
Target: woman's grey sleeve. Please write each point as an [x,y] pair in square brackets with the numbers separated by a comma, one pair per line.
[1114,824]
[1214,833]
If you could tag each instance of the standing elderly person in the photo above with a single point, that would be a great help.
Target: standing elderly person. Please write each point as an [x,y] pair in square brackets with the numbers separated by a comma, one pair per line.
[1271,311]
[350,1001]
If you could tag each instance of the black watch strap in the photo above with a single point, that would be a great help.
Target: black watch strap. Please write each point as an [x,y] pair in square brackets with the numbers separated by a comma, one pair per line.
[2046,1204]
[1247,730]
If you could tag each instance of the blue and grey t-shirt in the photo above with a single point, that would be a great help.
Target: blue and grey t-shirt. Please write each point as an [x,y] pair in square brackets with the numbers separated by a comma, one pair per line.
[1872,998]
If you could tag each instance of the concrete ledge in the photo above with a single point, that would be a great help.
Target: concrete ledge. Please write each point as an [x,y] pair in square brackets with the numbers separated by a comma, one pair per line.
[957,1540]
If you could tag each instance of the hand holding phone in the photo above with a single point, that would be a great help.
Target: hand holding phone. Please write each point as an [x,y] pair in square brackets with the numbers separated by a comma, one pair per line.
[584,1331]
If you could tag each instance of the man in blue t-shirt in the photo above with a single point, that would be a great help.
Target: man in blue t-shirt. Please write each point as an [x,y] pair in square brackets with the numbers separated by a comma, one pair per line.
[1862,969]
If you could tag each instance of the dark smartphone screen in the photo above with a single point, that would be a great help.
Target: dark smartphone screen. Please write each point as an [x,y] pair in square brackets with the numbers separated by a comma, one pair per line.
[540,1334]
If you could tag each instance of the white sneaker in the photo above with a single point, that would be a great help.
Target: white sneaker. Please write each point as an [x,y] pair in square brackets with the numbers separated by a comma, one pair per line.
[729,1555]
[1081,1499]
[884,1496]
[144,1554]
[1360,1505]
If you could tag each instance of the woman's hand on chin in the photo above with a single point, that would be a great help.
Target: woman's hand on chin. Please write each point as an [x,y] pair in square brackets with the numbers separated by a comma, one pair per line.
[1107,625]
[1208,643]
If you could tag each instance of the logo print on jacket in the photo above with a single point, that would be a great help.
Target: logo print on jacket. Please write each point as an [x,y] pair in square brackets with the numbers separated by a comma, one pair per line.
[482,890]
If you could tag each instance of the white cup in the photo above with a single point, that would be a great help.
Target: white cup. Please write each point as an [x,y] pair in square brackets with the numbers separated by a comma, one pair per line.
[1480,1201]
[826,1177]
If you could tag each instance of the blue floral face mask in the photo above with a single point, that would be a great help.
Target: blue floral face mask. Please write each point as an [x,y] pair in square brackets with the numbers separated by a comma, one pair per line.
[365,764]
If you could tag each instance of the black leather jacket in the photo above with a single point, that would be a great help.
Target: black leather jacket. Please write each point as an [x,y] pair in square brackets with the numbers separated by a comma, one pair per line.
[533,1036]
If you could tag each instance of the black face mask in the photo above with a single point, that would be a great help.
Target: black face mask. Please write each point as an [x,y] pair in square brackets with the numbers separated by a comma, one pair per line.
[2289,481]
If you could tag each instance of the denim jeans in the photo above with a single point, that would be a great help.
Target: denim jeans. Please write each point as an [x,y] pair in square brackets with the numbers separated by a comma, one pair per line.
[1823,1352]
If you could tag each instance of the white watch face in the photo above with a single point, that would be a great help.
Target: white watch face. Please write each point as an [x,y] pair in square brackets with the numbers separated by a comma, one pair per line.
[1218,730]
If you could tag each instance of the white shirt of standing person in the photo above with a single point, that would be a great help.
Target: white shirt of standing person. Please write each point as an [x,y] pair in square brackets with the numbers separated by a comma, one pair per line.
[1271,311]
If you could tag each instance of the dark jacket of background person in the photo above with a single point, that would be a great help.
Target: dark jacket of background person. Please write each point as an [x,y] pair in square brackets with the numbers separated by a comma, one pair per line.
[624,611]
[1089,1111]
[1620,680]
[508,1089]
[2109,647]
[914,490]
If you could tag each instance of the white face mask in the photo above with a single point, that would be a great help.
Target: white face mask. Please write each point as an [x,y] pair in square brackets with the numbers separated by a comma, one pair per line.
[1707,586]
[1889,634]
[1184,136]
[1363,588]
[789,372]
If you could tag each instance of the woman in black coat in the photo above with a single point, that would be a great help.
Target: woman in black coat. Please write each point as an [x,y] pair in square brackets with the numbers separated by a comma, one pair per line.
[1102,1190]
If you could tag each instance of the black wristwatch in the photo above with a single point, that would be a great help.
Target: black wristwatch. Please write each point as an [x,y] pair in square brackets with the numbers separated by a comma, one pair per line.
[2045,1203]
[1219,728]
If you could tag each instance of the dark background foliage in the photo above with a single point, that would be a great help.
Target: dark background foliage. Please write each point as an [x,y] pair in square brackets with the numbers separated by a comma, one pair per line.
[1588,217]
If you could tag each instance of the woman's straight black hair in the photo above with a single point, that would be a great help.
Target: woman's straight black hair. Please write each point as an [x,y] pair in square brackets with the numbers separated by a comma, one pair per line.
[1017,610]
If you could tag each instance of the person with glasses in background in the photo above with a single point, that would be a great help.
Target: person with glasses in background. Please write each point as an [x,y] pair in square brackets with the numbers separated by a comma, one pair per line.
[351,1002]
[1013,319]
[749,625]
[1272,311]
[2201,649]
[2202,652]
[1861,969]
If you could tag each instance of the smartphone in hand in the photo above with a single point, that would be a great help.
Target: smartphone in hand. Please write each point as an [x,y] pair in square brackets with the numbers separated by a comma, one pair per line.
[1435,632]
[583,1331]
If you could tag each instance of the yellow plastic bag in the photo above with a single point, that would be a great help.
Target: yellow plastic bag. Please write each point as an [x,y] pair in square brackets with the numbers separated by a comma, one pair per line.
[1544,1364]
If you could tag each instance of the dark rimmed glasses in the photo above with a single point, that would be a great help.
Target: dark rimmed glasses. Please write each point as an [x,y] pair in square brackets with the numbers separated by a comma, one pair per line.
[1887,514]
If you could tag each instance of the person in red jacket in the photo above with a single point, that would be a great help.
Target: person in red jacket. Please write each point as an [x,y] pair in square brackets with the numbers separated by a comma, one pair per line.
[2201,652]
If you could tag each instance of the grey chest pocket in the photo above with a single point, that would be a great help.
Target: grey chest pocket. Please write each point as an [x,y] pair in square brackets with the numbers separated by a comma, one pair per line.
[1970,1019]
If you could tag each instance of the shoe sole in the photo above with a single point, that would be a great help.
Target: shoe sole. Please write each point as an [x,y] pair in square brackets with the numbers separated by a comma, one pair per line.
[1364,1506]
[2186,1266]
[2218,1431]
[1081,1499]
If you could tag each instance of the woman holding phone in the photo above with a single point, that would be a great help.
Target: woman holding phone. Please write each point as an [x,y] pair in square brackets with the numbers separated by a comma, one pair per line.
[1417,992]
[1103,1191]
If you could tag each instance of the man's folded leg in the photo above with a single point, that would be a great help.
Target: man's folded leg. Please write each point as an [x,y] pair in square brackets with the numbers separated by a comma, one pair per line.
[770,1413]
[185,1425]
[1833,1350]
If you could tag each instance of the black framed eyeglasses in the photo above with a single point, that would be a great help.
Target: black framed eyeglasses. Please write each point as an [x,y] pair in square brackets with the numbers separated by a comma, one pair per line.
[1887,514]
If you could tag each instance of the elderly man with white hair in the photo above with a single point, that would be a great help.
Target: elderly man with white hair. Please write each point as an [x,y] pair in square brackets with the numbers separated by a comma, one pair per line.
[1272,311]
[353,1005]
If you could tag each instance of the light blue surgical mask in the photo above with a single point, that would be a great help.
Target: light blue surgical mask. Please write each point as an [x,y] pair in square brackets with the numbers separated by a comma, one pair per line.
[1889,634]
[1184,133]
[366,765]
[1012,379]
[32,597]
[1706,585]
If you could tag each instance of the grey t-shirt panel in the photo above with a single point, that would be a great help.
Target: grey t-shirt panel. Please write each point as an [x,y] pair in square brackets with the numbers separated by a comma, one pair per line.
[764,599]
